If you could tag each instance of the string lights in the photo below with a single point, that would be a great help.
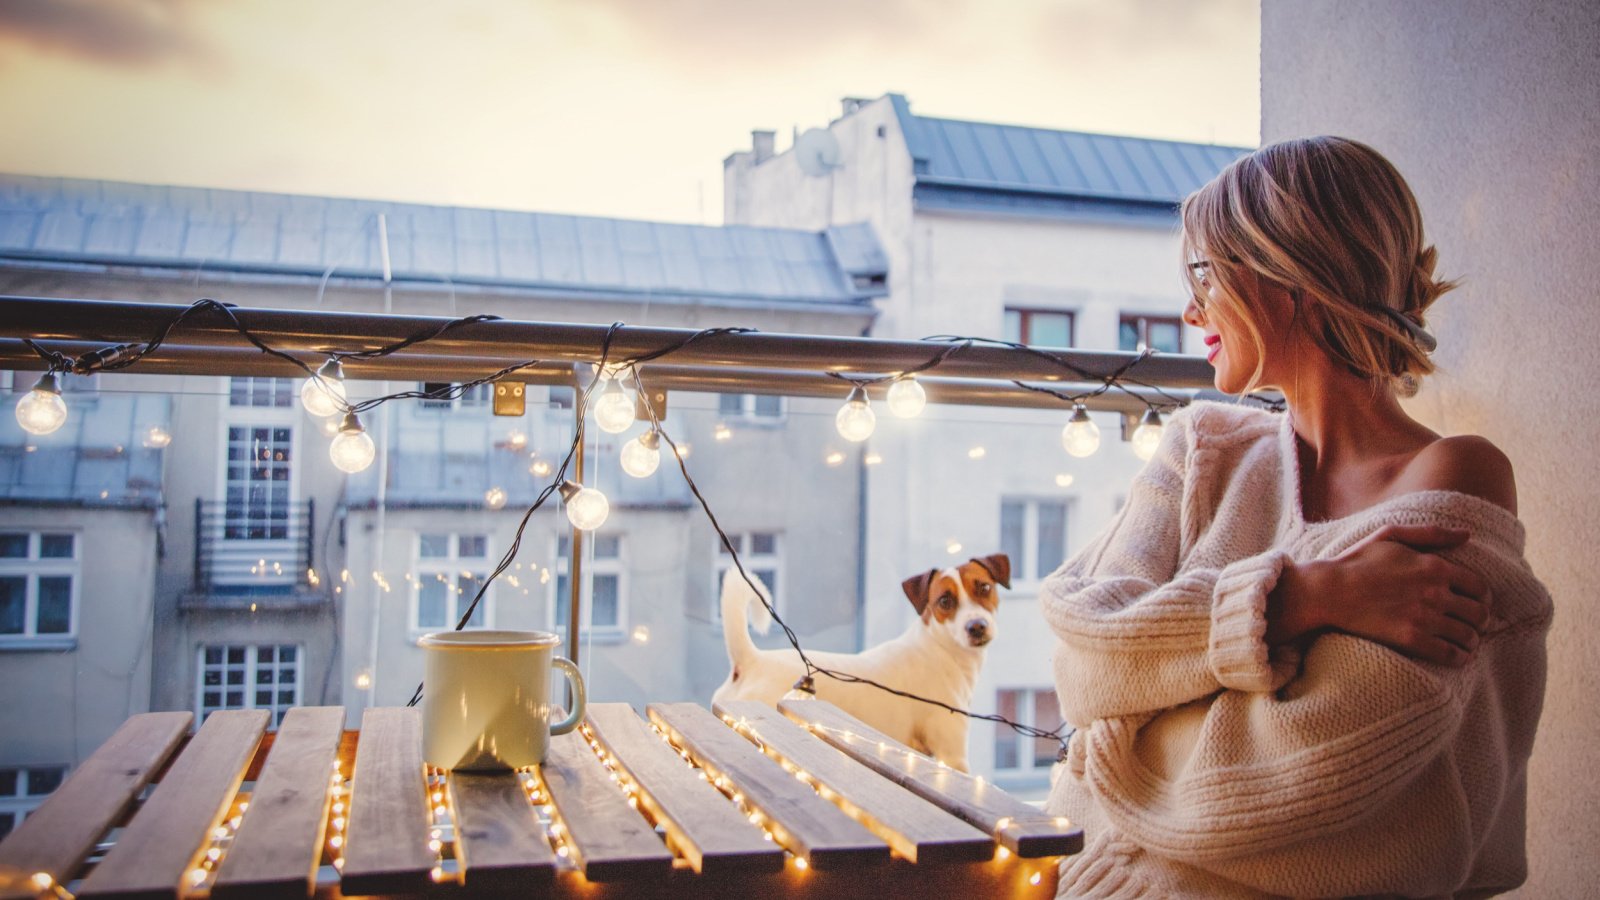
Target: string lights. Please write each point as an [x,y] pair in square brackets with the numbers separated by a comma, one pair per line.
[352,450]
[855,420]
[587,508]
[613,412]
[41,410]
[1148,435]
[323,394]
[642,455]
[1080,437]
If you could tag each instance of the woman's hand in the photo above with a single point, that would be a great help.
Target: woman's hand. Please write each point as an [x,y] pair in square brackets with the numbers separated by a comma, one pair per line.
[1393,588]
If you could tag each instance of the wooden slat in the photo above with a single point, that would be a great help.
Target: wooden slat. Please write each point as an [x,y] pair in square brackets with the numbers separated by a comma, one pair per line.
[610,840]
[915,828]
[170,832]
[804,823]
[56,838]
[386,841]
[278,846]
[499,842]
[1023,829]
[701,824]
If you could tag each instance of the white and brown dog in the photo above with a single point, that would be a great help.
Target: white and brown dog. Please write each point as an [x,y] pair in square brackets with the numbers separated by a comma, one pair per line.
[937,657]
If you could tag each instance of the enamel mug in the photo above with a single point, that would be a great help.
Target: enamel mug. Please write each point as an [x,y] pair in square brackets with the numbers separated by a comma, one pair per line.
[486,698]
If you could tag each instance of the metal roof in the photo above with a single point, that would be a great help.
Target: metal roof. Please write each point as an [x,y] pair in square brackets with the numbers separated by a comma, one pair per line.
[961,164]
[58,220]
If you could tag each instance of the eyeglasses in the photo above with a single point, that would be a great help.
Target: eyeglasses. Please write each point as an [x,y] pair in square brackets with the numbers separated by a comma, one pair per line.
[1199,270]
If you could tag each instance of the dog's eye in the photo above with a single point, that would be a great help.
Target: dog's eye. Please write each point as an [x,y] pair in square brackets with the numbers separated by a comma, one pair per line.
[982,588]
[947,601]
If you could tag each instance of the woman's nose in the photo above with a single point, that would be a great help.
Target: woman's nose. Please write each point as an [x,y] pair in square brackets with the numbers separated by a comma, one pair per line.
[1193,315]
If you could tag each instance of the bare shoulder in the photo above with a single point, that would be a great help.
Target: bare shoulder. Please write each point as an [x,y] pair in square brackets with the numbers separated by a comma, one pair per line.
[1467,464]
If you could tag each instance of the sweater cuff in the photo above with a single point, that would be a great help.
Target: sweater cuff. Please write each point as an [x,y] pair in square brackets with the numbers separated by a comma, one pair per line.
[1239,655]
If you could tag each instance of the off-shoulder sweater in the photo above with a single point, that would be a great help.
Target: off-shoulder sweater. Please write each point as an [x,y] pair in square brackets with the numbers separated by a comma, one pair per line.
[1207,764]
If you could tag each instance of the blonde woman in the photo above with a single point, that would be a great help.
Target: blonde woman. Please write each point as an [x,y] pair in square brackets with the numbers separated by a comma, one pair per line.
[1307,657]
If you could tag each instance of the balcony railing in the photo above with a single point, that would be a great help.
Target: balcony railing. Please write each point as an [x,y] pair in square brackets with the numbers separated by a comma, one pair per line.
[252,551]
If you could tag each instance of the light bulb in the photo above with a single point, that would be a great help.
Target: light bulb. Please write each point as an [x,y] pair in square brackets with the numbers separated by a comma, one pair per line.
[855,420]
[1081,436]
[586,507]
[494,498]
[157,437]
[907,398]
[1148,435]
[42,410]
[353,449]
[324,395]
[613,412]
[642,455]
[515,439]
[540,468]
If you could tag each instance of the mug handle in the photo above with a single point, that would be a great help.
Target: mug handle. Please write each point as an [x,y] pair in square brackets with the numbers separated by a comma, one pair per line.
[578,693]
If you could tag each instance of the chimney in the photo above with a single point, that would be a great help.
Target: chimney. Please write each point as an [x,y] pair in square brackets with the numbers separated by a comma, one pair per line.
[851,104]
[762,142]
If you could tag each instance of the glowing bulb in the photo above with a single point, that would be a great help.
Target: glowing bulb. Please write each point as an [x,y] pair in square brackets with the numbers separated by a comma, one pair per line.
[364,680]
[1064,480]
[907,397]
[613,412]
[515,439]
[953,548]
[353,450]
[872,459]
[586,507]
[1081,436]
[641,634]
[539,469]
[855,420]
[157,437]
[642,455]
[42,410]
[1148,435]
[330,426]
[324,395]
[494,498]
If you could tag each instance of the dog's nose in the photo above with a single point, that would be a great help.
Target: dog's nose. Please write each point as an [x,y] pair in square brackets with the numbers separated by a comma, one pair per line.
[978,632]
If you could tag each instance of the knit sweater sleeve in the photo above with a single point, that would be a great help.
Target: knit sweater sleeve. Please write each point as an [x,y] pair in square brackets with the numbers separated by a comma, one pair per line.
[1136,635]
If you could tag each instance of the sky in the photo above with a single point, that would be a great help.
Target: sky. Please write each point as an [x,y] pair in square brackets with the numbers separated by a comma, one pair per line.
[620,108]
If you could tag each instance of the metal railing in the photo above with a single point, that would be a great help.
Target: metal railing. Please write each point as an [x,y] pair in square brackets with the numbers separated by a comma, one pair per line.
[243,550]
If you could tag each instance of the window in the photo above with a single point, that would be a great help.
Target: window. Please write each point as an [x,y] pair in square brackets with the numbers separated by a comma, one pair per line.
[1027,706]
[561,397]
[762,555]
[1137,333]
[1041,327]
[603,608]
[1033,533]
[249,676]
[258,480]
[268,392]
[475,397]
[450,570]
[38,581]
[760,407]
[23,789]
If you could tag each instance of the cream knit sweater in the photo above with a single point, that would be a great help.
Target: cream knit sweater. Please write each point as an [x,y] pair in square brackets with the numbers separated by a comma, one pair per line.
[1205,766]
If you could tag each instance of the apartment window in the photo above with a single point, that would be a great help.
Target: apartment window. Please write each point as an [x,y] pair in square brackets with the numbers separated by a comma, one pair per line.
[1026,706]
[758,407]
[562,397]
[23,789]
[762,555]
[249,676]
[261,392]
[475,397]
[260,470]
[39,572]
[1033,533]
[1040,327]
[603,609]
[1139,333]
[450,570]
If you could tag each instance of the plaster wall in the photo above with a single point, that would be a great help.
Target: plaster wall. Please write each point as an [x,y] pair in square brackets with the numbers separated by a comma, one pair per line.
[1491,111]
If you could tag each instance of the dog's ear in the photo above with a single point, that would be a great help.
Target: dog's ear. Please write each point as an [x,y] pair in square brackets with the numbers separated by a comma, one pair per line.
[998,565]
[916,588]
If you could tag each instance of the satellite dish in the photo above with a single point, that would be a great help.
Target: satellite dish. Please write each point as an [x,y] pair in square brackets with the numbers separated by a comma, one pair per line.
[817,152]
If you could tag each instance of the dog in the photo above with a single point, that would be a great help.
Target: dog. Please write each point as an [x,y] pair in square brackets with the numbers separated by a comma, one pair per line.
[938,657]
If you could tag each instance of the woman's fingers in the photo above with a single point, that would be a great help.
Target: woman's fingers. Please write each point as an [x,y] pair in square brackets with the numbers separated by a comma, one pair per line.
[1441,652]
[1465,581]
[1470,610]
[1457,632]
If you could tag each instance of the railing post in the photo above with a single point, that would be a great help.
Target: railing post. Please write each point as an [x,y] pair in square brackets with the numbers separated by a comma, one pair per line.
[311,540]
[199,539]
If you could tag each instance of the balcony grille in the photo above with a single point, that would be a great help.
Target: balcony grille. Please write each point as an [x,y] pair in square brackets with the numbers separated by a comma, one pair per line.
[252,551]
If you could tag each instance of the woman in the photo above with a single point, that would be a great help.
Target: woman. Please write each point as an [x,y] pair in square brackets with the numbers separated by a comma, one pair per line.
[1307,657]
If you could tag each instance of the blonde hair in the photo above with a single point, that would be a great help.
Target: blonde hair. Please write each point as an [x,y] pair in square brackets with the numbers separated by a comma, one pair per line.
[1332,221]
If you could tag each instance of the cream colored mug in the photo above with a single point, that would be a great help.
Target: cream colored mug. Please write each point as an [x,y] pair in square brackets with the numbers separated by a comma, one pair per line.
[486,698]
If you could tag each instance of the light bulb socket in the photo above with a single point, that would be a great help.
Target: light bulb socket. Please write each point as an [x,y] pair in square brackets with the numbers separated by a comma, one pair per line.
[1080,414]
[351,424]
[568,490]
[1150,417]
[333,370]
[49,383]
[858,394]
[651,440]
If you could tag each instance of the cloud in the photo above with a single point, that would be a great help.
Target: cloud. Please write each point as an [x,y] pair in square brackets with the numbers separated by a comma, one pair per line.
[126,33]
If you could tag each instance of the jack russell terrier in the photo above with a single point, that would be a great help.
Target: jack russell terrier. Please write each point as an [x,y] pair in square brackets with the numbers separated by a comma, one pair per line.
[937,657]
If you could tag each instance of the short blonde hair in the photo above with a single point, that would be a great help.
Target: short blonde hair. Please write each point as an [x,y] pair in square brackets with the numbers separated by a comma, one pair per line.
[1331,220]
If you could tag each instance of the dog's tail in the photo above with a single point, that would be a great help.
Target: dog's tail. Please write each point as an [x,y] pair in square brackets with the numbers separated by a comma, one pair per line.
[737,598]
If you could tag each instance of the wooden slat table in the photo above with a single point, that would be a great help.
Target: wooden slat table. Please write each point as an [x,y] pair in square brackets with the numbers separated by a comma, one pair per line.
[746,802]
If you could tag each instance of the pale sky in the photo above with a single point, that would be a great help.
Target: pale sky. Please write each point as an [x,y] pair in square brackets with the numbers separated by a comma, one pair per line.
[622,108]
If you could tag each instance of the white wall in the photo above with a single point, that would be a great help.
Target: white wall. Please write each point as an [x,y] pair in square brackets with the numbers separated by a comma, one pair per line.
[1492,111]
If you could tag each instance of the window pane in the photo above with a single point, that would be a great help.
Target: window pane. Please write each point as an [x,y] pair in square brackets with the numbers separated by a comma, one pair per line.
[769,577]
[13,603]
[431,603]
[55,546]
[730,404]
[265,654]
[1046,715]
[561,398]
[764,542]
[14,546]
[1012,330]
[561,600]
[1165,336]
[433,546]
[1128,335]
[1050,329]
[769,406]
[472,545]
[8,783]
[8,821]
[468,586]
[604,614]
[1052,537]
[606,546]
[435,387]
[55,605]
[286,653]
[1005,740]
[1011,525]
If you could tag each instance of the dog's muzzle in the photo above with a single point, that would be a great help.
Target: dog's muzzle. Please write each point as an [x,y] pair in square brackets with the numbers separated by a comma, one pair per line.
[978,633]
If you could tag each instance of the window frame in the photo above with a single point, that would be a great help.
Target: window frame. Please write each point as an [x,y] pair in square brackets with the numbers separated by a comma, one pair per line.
[252,384]
[33,567]
[747,413]
[1025,317]
[477,399]
[592,565]
[1142,322]
[276,710]
[1027,748]
[454,563]
[22,803]
[753,563]
[1026,571]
